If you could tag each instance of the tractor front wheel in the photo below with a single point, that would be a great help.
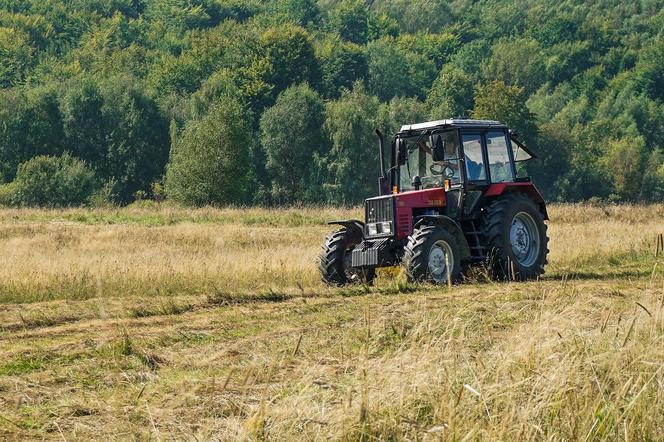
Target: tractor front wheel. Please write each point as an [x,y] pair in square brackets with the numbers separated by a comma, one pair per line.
[335,260]
[432,255]
[516,239]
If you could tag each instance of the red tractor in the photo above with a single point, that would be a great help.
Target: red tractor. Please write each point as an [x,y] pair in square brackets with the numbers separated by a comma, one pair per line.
[451,198]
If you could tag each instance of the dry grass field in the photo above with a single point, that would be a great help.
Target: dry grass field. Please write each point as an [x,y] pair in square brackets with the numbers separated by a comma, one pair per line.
[170,324]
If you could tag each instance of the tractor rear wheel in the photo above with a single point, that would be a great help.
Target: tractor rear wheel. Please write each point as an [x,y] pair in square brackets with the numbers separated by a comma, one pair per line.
[430,254]
[515,236]
[335,260]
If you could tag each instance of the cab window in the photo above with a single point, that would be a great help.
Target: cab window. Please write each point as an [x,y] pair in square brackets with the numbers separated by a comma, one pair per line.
[499,160]
[472,150]
[419,162]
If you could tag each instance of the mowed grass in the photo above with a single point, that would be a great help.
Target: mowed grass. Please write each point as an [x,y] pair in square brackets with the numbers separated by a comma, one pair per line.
[163,323]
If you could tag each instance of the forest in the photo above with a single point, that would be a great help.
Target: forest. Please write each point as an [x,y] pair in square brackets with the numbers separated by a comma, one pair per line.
[274,102]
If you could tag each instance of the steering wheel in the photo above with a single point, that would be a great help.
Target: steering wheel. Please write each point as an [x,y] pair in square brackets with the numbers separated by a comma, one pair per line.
[445,170]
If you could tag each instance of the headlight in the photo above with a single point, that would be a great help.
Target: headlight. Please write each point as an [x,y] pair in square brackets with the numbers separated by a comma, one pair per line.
[379,228]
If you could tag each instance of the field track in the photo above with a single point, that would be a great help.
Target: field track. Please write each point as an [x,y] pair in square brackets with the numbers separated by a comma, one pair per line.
[212,325]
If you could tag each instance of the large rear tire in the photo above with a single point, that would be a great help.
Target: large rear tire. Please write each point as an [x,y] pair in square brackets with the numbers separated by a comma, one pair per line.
[429,252]
[516,240]
[335,260]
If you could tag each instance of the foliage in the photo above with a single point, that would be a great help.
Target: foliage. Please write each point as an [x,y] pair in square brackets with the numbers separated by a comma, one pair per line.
[351,21]
[289,52]
[341,64]
[397,72]
[47,181]
[349,125]
[116,82]
[210,159]
[293,143]
[507,104]
[31,125]
[16,55]
[517,62]
[451,94]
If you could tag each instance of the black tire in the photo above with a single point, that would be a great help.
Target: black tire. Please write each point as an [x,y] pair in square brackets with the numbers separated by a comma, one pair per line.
[518,211]
[334,260]
[417,252]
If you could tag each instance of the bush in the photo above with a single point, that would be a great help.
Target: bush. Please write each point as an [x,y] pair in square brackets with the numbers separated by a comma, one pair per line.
[210,160]
[47,181]
[291,136]
[7,194]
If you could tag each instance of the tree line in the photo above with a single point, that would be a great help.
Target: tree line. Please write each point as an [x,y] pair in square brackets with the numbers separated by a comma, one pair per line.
[275,102]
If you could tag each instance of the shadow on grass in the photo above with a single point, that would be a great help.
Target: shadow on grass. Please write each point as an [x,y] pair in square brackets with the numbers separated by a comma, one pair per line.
[222,298]
[598,275]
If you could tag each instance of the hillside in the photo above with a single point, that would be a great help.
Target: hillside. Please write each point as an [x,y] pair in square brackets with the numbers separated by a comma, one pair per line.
[274,102]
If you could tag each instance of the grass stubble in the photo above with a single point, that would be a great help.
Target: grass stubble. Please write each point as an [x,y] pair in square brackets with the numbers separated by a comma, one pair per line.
[212,325]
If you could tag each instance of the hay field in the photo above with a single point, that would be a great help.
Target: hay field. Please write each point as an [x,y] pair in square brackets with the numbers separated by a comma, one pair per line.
[163,323]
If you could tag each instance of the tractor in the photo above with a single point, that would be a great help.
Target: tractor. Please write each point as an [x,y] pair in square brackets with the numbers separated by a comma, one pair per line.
[452,196]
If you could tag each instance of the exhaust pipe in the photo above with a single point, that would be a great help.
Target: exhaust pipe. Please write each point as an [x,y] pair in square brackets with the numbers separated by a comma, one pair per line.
[381,153]
[383,186]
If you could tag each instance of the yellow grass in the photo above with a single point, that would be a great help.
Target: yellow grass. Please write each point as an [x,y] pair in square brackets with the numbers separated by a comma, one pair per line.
[212,325]
[50,256]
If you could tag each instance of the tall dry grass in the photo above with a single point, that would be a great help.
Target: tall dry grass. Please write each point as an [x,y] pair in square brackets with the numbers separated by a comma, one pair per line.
[80,254]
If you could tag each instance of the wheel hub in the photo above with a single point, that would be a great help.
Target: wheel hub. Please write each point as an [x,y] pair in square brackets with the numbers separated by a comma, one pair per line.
[440,255]
[524,239]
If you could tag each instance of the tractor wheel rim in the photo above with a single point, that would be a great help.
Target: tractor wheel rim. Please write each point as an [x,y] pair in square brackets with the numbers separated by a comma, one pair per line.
[524,239]
[440,255]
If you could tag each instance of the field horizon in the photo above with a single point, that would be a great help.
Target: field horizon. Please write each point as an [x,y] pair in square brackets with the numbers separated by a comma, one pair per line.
[212,324]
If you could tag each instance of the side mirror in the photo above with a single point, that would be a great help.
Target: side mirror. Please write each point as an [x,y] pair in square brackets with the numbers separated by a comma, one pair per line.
[438,148]
[383,186]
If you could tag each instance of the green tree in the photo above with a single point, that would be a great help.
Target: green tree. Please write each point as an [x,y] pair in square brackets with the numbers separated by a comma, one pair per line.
[398,112]
[352,162]
[31,125]
[396,72]
[341,64]
[507,104]
[47,181]
[210,160]
[624,161]
[137,138]
[438,48]
[649,73]
[351,21]
[413,16]
[553,163]
[451,94]
[289,52]
[16,55]
[302,12]
[291,136]
[517,62]
[653,178]
[84,125]
[566,61]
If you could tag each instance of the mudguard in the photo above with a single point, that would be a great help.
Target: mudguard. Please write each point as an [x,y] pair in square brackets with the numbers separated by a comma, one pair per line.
[527,187]
[352,224]
[451,226]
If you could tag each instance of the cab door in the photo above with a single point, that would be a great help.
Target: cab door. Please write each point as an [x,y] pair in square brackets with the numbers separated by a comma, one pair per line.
[476,175]
[451,173]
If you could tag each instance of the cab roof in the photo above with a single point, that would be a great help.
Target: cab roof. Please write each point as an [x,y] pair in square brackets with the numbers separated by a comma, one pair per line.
[482,124]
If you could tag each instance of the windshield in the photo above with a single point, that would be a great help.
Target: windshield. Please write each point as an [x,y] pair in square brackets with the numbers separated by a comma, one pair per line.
[419,162]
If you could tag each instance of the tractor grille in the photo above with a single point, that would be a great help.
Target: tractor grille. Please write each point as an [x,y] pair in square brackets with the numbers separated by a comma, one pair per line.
[379,210]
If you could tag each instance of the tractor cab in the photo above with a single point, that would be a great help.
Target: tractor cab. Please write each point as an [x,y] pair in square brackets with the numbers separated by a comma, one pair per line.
[450,182]
[464,157]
